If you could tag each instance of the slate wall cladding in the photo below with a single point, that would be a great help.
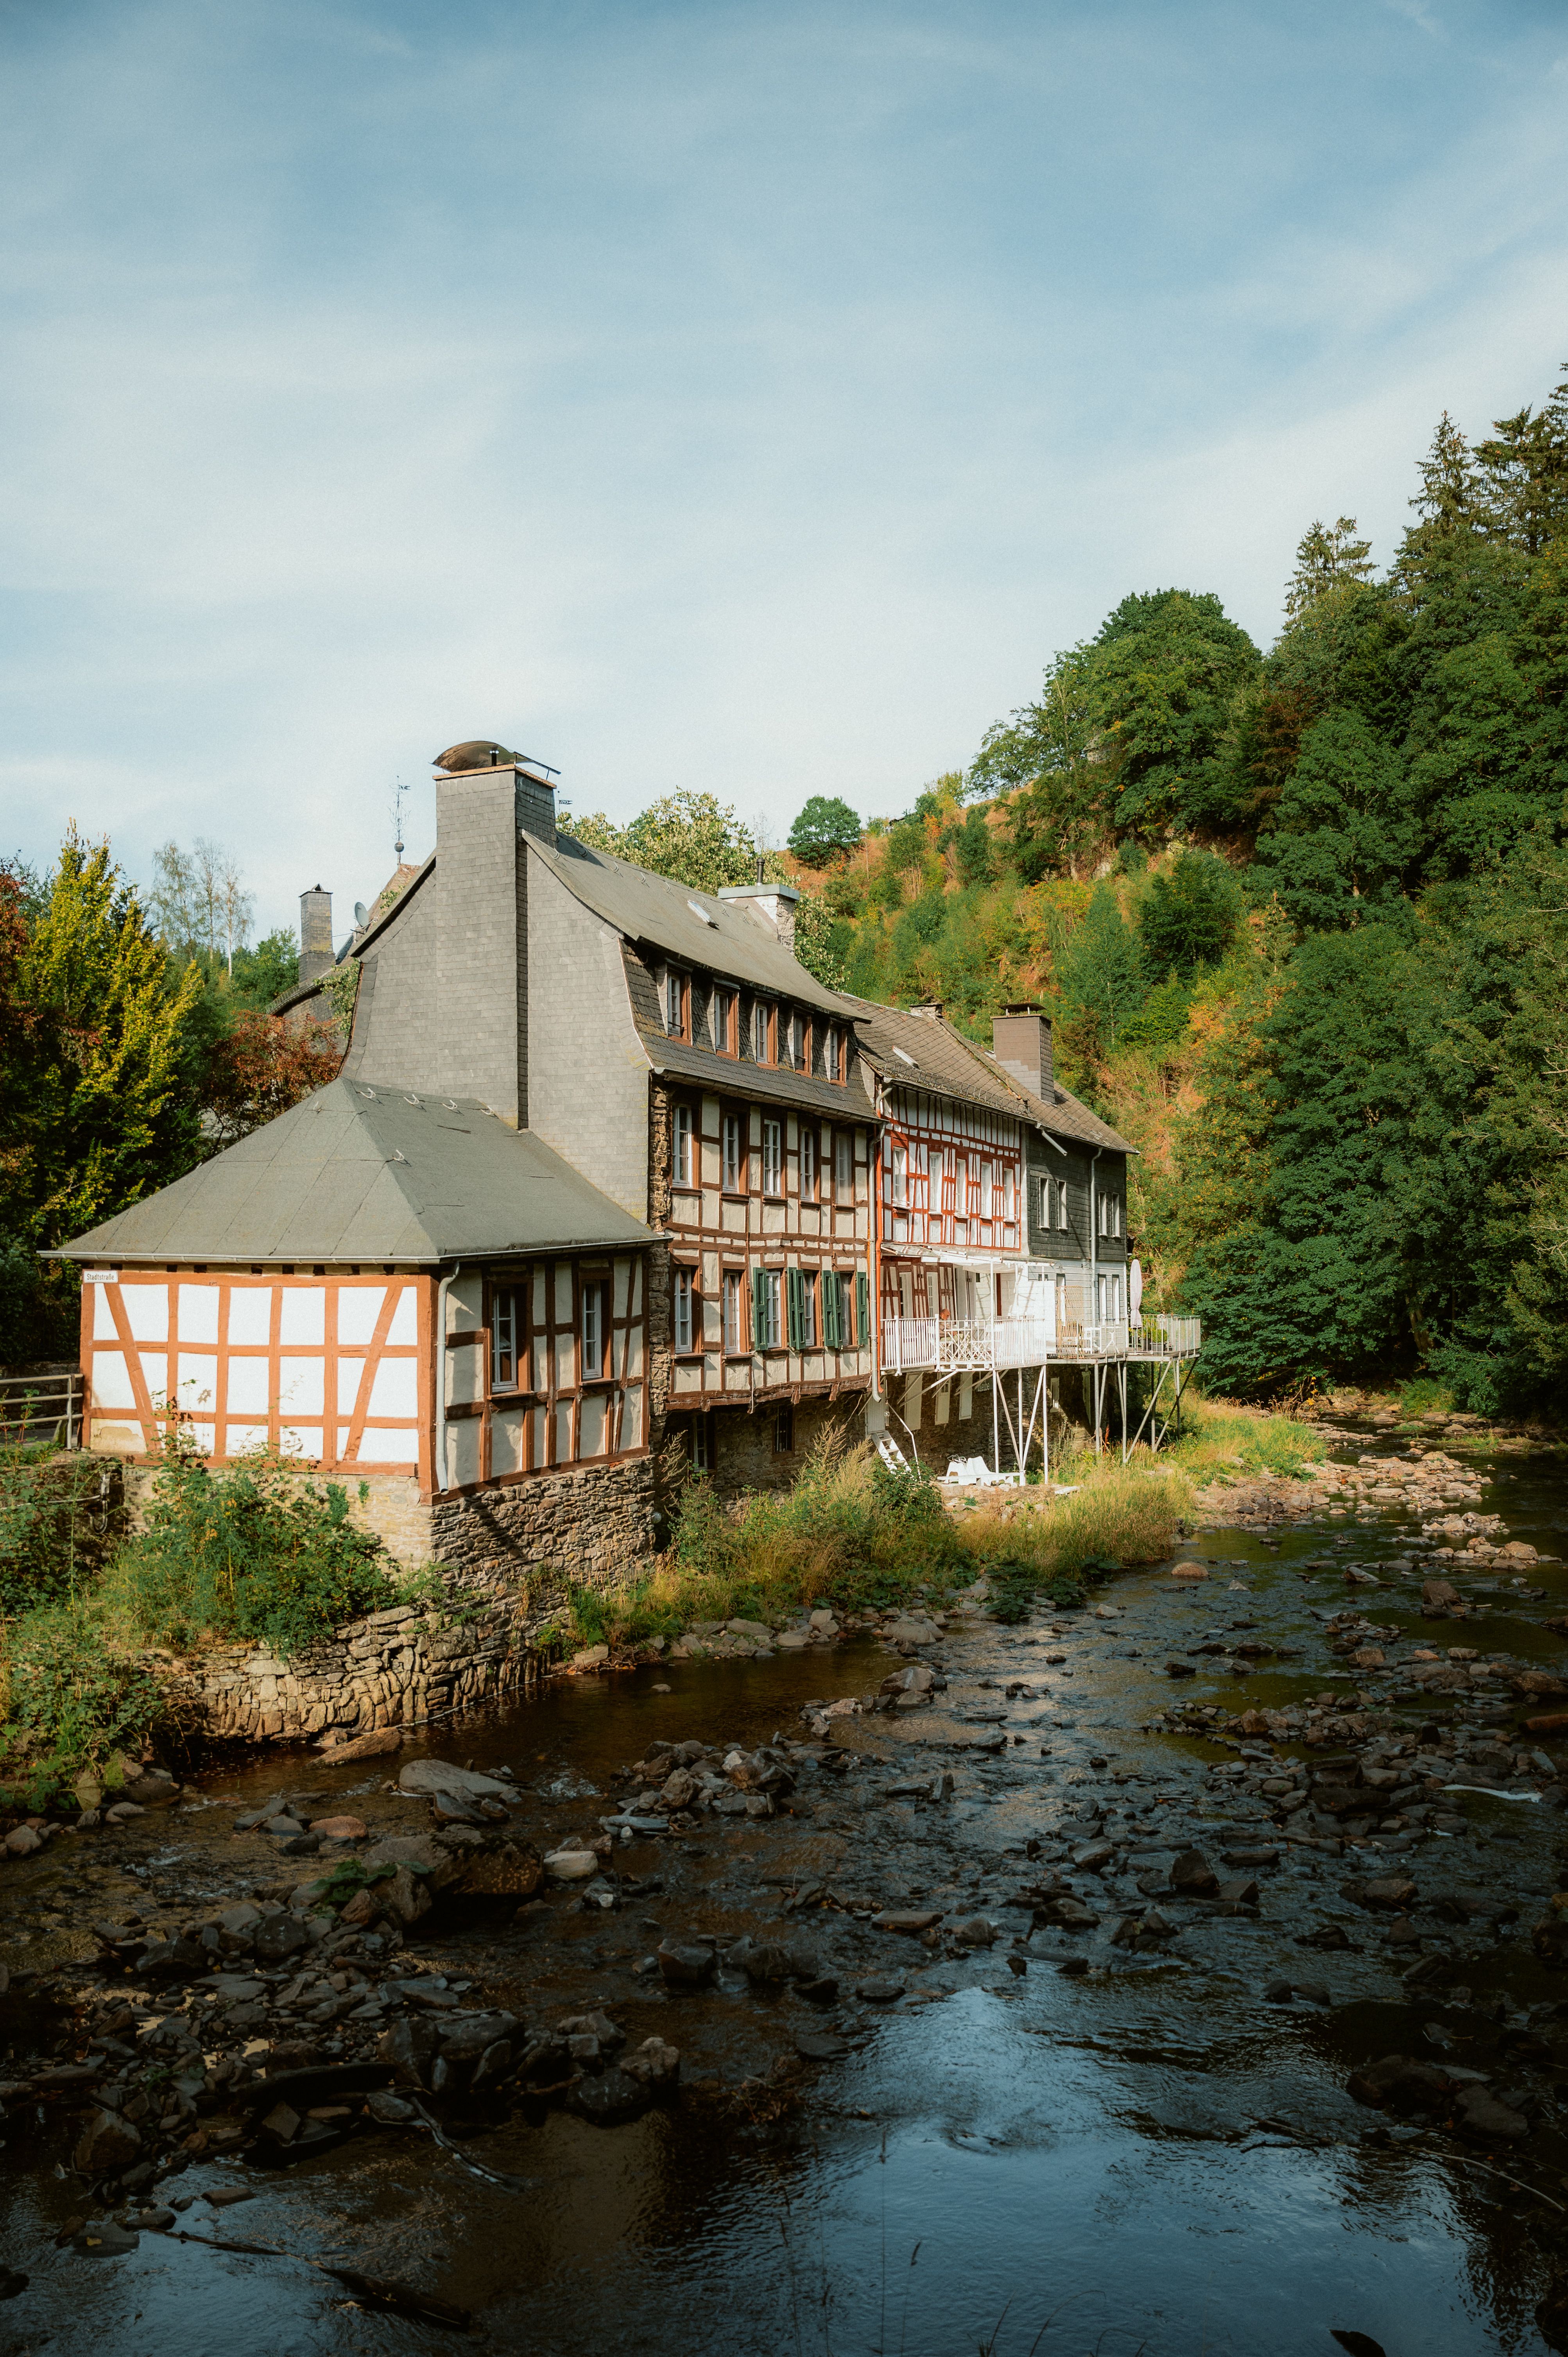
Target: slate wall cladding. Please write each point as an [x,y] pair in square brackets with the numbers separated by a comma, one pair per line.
[588,1072]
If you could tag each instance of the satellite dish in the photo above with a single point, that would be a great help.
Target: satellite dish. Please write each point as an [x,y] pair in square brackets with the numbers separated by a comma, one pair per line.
[361,915]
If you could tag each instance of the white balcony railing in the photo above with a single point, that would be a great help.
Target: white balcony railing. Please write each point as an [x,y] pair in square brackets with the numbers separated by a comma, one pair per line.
[953,1346]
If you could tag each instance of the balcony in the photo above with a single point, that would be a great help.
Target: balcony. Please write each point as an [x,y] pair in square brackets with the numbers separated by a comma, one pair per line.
[948,1346]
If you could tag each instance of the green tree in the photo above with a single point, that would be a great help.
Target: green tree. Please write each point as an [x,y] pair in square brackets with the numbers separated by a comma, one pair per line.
[1101,971]
[694,839]
[1188,917]
[823,832]
[1329,556]
[1345,832]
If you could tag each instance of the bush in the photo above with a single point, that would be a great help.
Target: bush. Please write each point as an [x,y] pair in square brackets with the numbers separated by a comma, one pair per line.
[71,1692]
[253,1552]
[53,1518]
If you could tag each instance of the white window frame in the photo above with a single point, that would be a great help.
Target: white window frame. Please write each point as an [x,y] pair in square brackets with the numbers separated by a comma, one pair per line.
[899,1177]
[831,1052]
[843,1165]
[772,1291]
[504,1323]
[772,1156]
[591,1327]
[732,1134]
[809,1166]
[735,1340]
[685,1307]
[761,1013]
[682,1159]
[674,1003]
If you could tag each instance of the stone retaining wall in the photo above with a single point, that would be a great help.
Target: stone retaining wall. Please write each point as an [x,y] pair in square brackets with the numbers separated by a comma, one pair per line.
[505,1559]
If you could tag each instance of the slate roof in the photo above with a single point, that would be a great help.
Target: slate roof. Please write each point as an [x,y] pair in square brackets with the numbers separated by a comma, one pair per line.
[733,1076]
[364,1171]
[651,909]
[923,1051]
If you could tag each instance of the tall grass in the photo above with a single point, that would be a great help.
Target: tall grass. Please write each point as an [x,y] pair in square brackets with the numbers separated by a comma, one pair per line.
[1235,1440]
[853,1535]
[849,1534]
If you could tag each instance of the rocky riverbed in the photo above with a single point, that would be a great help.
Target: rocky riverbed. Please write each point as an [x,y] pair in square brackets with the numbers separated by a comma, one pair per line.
[1184,1966]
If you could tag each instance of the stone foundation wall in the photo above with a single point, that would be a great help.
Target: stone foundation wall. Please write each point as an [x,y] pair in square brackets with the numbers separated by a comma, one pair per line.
[746,1457]
[506,1558]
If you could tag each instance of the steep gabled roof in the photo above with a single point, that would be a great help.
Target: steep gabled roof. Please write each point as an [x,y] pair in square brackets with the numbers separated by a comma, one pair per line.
[694,927]
[363,1172]
[924,1051]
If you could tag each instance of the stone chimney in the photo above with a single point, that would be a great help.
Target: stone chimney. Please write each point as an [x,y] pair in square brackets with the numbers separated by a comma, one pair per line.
[317,956]
[772,905]
[1021,1044]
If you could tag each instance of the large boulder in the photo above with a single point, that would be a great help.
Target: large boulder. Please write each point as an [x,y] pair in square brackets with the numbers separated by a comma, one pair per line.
[107,2145]
[440,1776]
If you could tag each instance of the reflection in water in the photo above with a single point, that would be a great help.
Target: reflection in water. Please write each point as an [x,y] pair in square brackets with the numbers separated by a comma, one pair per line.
[1152,2157]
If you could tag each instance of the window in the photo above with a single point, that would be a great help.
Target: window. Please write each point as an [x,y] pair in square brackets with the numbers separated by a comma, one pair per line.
[765,1291]
[1110,1215]
[1043,1202]
[796,1039]
[593,1323]
[808,1163]
[734,1330]
[772,1158]
[685,1297]
[734,1154]
[1009,1192]
[761,1032]
[726,1022]
[784,1430]
[684,1168]
[833,1054]
[960,1188]
[987,1176]
[702,1444]
[504,1339]
[901,1178]
[674,1003]
[800,1295]
[843,1165]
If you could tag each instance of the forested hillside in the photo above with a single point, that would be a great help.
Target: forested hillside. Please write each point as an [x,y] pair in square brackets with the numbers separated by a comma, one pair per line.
[1302,918]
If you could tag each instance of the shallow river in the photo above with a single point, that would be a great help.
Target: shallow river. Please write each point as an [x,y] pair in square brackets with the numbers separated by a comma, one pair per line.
[1147,2155]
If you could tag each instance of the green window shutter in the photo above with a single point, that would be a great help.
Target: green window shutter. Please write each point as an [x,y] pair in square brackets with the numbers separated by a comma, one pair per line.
[758,1309]
[796,1309]
[862,1310]
[830,1310]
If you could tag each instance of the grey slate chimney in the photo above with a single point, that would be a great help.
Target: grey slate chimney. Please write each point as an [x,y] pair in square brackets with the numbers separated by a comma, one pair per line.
[1021,1043]
[316,953]
[481,932]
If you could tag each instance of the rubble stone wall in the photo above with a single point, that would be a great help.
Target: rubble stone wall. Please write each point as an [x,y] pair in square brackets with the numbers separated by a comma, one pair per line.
[506,1558]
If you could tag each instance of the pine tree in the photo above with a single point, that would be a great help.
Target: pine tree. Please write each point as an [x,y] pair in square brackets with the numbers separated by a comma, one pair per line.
[1329,557]
[1524,473]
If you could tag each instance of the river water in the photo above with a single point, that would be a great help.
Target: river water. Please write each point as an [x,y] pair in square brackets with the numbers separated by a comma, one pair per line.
[1144,2155]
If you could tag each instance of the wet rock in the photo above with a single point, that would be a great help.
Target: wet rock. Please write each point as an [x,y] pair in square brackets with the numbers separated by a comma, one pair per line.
[391,2111]
[1180,1670]
[907,1919]
[654,2063]
[506,1869]
[107,2145]
[1402,2081]
[910,1629]
[1393,1891]
[1192,1875]
[821,2046]
[380,1740]
[1240,1890]
[104,2240]
[410,2046]
[465,2039]
[1439,1592]
[1482,2115]
[611,2098]
[278,1937]
[977,1932]
[570,1865]
[441,1776]
[686,1967]
[877,1991]
[281,2124]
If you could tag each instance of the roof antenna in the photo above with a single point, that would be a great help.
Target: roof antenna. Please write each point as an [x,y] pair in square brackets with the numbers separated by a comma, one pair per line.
[397,818]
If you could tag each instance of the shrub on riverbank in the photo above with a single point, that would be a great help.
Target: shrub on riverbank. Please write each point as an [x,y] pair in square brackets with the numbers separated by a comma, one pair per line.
[54,1521]
[1119,1516]
[1231,1439]
[848,1534]
[73,1691]
[252,1551]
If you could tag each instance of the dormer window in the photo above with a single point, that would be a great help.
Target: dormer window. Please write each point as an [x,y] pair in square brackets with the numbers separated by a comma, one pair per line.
[726,1021]
[677,1003]
[832,1053]
[762,1032]
[798,1040]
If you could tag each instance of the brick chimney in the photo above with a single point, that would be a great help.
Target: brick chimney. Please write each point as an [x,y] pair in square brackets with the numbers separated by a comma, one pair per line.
[1021,1044]
[317,956]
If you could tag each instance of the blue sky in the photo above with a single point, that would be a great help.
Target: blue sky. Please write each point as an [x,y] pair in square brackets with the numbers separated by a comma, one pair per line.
[746,398]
